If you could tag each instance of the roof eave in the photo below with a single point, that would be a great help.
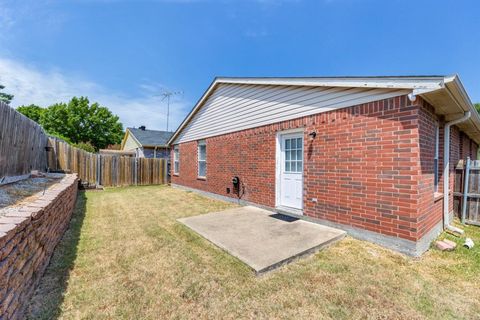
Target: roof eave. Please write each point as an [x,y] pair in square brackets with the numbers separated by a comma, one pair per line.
[421,85]
[428,82]
[452,101]
[205,95]
[460,95]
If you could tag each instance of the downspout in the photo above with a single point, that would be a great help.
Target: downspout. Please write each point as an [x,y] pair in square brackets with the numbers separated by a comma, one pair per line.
[446,169]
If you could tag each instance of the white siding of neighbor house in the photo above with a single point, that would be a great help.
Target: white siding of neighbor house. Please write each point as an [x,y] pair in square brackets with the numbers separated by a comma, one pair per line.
[130,144]
[235,107]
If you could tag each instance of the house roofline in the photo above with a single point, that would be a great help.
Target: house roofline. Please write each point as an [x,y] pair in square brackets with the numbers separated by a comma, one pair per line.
[420,85]
[459,94]
[400,82]
[127,133]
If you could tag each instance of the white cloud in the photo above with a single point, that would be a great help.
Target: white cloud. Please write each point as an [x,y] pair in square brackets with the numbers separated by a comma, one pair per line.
[45,87]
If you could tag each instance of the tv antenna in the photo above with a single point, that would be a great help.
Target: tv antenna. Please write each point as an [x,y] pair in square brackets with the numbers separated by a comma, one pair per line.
[167,95]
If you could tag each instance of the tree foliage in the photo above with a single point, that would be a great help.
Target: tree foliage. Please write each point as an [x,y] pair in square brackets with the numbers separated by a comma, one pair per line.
[477,106]
[5,97]
[81,123]
[87,146]
[32,111]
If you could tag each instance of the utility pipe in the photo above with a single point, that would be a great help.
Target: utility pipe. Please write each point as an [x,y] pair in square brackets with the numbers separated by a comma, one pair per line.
[446,167]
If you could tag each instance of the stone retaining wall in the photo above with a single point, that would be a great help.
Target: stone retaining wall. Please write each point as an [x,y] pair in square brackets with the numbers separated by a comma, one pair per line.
[28,237]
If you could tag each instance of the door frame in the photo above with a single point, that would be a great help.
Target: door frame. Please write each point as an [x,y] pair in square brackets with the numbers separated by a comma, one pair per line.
[278,169]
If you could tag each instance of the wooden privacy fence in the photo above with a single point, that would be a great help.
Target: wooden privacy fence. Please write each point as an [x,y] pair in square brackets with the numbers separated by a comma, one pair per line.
[466,193]
[105,170]
[22,145]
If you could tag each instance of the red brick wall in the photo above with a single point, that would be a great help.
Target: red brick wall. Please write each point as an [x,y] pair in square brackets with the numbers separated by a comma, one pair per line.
[370,166]
[461,147]
[468,148]
[363,167]
[429,207]
[27,240]
[248,154]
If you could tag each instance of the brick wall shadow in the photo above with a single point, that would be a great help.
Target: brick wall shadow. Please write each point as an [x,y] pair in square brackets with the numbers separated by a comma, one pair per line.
[48,296]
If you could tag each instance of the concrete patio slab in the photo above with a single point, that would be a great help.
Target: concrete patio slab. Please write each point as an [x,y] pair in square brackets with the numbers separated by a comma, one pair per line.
[260,238]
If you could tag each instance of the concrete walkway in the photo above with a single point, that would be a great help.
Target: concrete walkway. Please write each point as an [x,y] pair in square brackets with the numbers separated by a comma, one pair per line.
[259,239]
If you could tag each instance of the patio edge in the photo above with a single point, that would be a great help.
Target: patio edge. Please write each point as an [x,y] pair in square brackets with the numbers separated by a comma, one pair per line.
[408,247]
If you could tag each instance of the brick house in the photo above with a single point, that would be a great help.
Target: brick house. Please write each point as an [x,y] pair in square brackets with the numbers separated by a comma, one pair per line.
[363,154]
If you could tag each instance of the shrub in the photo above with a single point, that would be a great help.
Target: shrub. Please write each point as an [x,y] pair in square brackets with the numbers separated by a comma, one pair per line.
[87,146]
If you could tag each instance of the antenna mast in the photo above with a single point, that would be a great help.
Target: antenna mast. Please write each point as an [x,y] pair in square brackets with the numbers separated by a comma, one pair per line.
[166,95]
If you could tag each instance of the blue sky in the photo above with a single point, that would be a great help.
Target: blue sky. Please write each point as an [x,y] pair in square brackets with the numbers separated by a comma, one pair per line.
[124,53]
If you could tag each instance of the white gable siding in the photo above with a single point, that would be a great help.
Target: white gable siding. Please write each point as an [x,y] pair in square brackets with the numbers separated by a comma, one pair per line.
[235,107]
[130,143]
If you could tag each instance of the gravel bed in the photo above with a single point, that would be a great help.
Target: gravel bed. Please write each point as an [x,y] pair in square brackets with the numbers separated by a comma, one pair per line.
[16,194]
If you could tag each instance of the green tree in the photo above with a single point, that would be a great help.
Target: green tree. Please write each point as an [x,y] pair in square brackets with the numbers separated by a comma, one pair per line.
[477,106]
[80,121]
[32,111]
[5,97]
[86,126]
[55,120]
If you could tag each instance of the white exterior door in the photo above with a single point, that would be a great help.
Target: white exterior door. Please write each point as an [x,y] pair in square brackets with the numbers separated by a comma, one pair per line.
[291,170]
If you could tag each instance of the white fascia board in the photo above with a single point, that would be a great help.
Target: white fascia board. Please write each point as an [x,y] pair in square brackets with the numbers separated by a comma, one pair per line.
[194,110]
[456,87]
[457,103]
[459,95]
[431,83]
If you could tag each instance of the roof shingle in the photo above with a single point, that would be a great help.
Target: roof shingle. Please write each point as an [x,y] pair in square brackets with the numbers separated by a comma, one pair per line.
[152,138]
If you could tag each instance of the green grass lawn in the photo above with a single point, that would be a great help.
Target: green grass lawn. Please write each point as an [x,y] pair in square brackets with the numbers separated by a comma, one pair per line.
[125,257]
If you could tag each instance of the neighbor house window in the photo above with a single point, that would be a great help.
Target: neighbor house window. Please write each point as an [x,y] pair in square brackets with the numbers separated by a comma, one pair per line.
[435,158]
[176,160]
[202,159]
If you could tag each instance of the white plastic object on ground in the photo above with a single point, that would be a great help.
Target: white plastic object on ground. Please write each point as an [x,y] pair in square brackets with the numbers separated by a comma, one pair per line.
[468,243]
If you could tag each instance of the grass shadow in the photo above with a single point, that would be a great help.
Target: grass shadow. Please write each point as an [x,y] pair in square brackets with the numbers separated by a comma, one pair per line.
[48,296]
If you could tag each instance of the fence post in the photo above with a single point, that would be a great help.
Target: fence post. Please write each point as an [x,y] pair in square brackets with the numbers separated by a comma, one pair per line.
[165,172]
[136,171]
[99,162]
[465,189]
[55,153]
[115,171]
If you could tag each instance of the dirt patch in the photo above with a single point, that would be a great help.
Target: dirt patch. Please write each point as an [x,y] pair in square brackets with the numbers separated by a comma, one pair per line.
[20,192]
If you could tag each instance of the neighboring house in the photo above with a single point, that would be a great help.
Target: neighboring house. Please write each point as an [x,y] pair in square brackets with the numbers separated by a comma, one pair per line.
[147,143]
[364,154]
